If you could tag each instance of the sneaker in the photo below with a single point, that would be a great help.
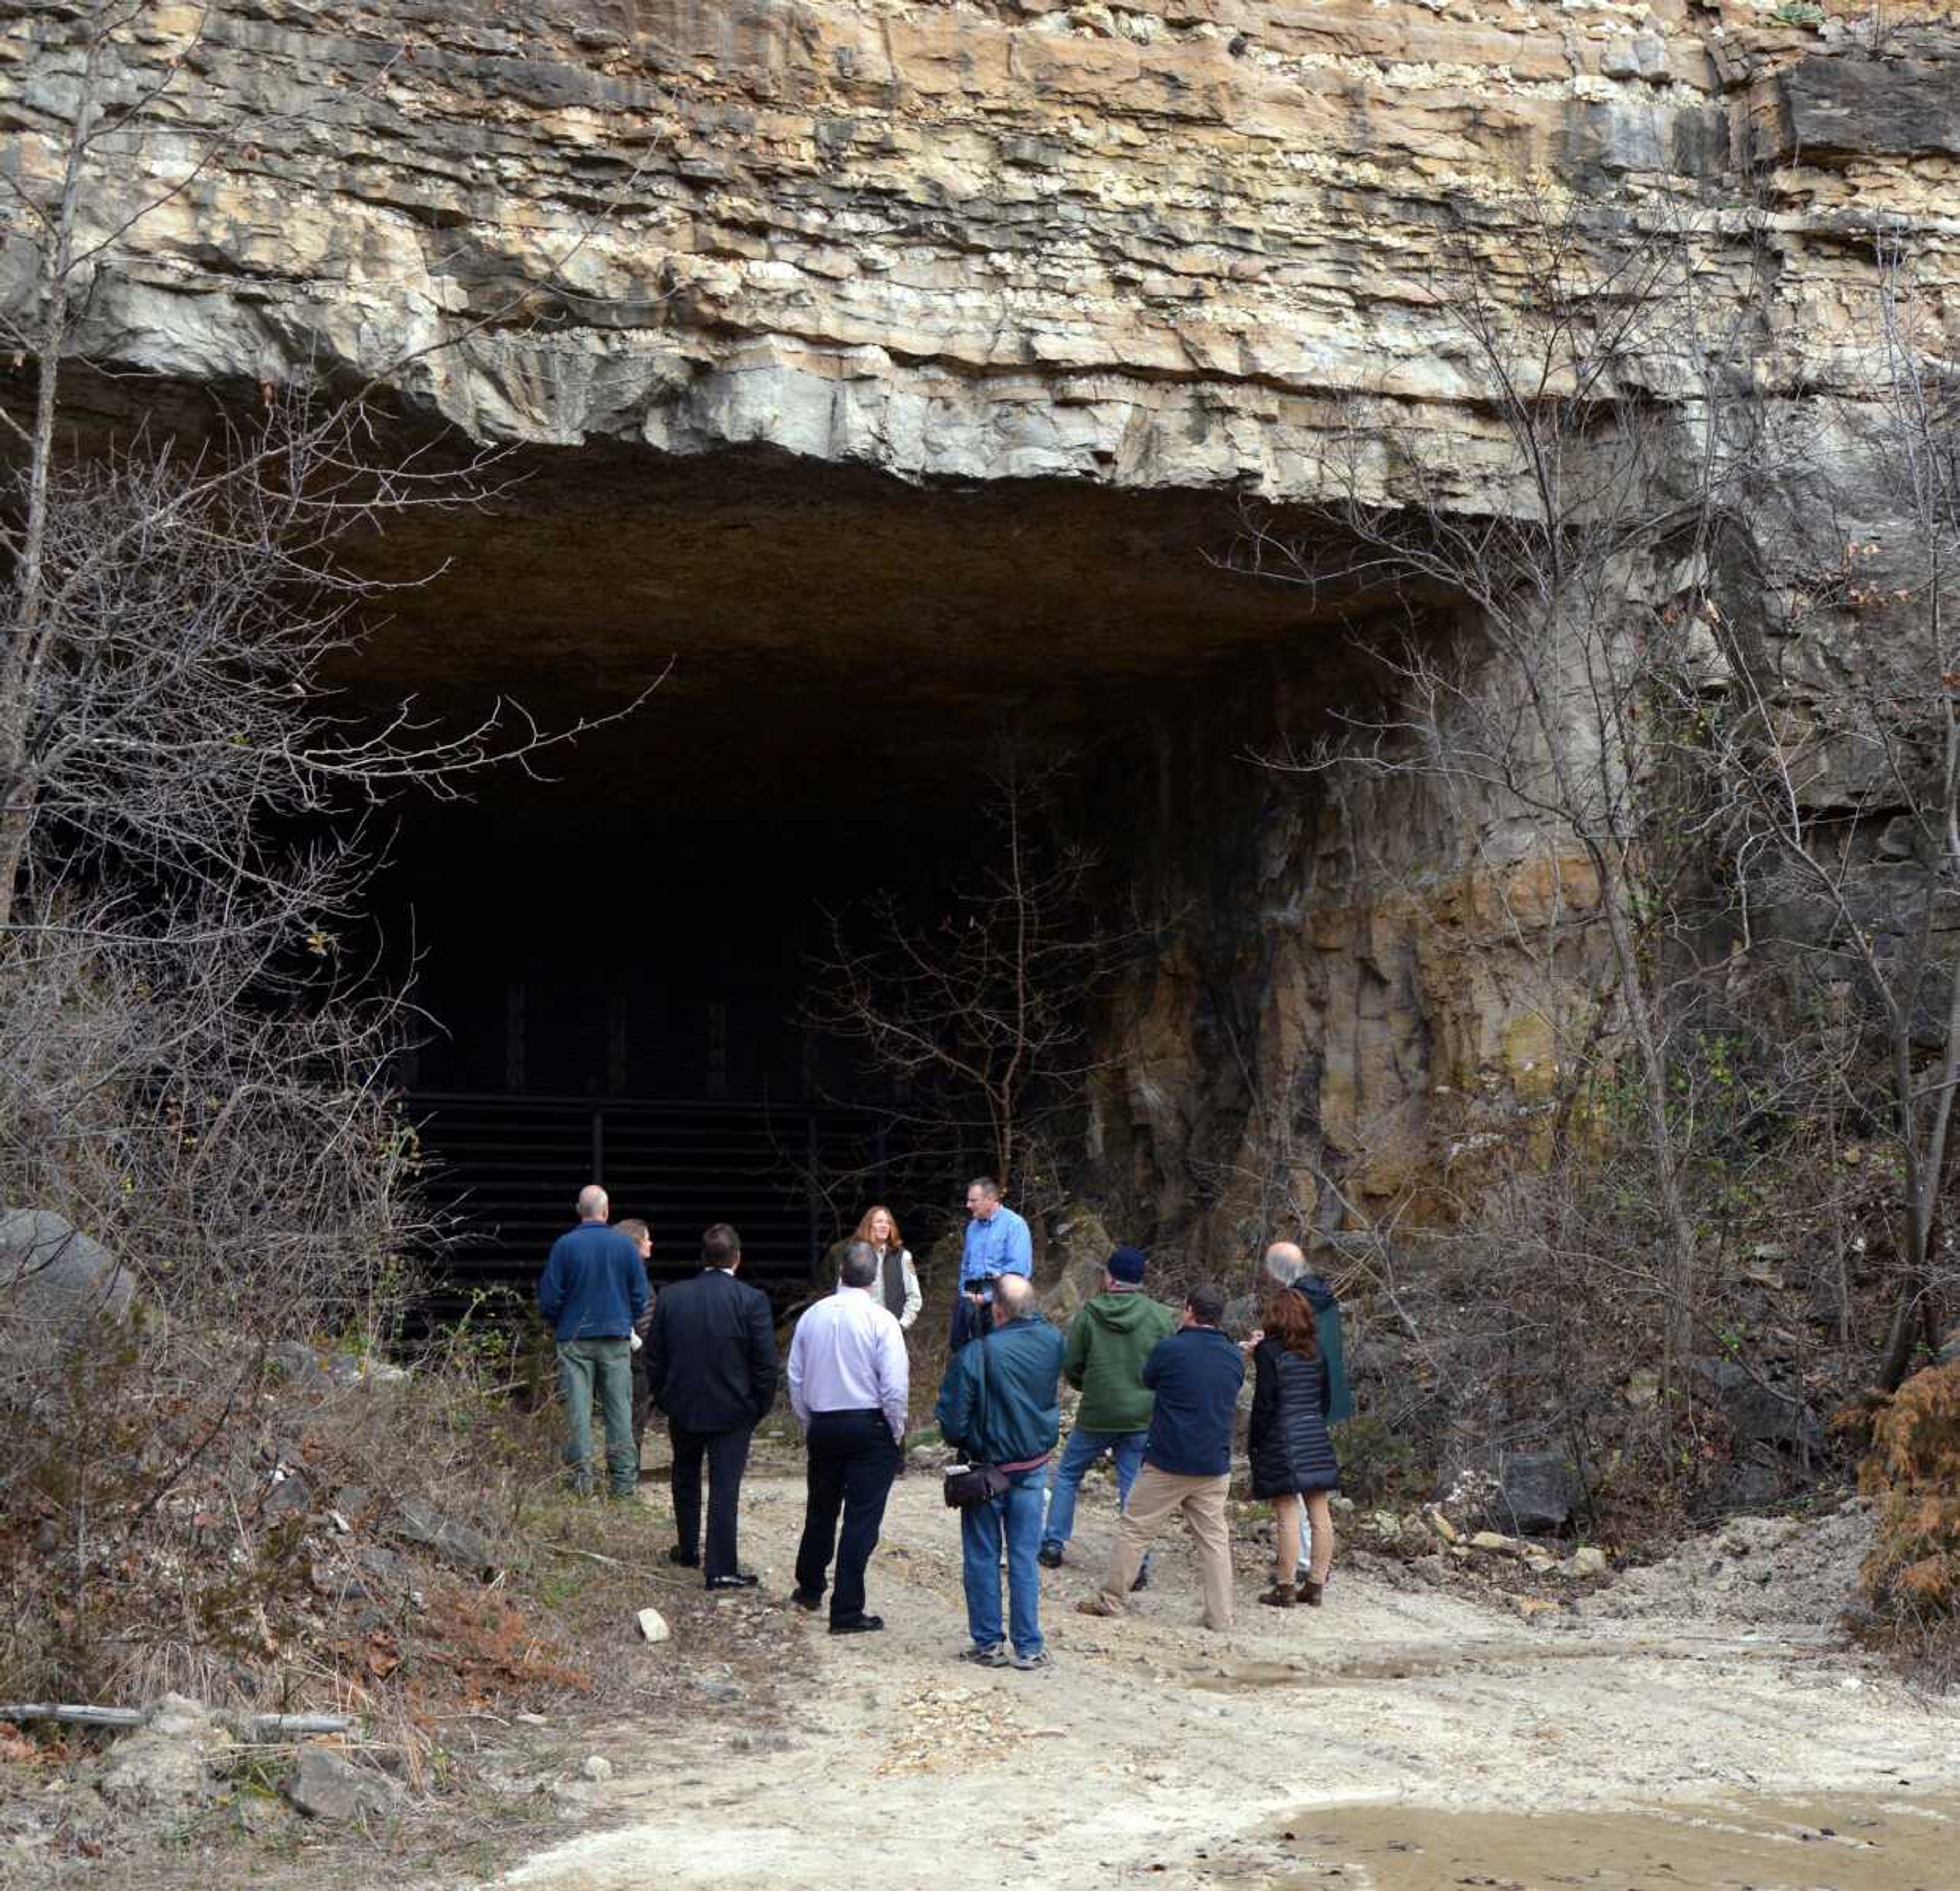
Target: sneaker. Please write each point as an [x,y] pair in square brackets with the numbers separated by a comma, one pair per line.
[1049,1556]
[997,1656]
[1028,1663]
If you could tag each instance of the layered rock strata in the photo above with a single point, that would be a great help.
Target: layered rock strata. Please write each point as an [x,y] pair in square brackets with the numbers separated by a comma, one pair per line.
[1178,244]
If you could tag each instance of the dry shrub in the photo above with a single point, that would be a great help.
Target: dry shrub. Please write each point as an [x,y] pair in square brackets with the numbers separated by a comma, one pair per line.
[493,1648]
[238,1535]
[1913,1476]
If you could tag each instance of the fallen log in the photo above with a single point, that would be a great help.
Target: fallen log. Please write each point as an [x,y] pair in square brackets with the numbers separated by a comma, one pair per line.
[263,1725]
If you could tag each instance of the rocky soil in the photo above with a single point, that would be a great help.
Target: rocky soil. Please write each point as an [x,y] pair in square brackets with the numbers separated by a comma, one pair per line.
[1155,1750]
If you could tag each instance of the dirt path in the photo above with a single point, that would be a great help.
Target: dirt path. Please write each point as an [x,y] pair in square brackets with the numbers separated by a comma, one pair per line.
[1156,1751]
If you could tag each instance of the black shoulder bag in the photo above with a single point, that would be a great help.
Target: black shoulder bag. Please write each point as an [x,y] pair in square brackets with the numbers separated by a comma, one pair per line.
[967,1484]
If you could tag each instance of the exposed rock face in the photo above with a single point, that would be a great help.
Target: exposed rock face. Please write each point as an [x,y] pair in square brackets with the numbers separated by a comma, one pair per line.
[1149,244]
[1177,244]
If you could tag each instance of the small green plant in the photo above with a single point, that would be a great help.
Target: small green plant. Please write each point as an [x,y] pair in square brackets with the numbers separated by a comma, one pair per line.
[1798,13]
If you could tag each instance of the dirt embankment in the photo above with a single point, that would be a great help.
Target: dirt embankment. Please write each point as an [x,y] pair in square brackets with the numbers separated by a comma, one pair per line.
[1712,1686]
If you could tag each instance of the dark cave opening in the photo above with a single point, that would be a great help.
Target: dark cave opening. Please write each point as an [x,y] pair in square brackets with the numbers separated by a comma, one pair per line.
[613,954]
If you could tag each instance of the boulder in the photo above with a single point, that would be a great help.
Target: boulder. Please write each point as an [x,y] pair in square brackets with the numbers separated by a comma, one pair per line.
[457,1544]
[1753,1483]
[171,1760]
[294,1361]
[1537,1491]
[1759,1411]
[1076,1251]
[1522,1493]
[328,1787]
[302,1366]
[53,1278]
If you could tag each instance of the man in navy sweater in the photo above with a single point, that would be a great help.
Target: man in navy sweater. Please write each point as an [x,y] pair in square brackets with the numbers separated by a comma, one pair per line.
[594,1288]
[1194,1373]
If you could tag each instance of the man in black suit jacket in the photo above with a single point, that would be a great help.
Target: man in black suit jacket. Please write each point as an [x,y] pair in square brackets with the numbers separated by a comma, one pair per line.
[711,1360]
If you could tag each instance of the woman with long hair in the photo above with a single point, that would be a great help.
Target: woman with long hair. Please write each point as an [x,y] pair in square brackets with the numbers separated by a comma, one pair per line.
[898,1288]
[1293,1457]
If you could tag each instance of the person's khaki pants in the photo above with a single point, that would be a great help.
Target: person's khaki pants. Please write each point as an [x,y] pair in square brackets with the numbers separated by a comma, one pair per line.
[1155,1496]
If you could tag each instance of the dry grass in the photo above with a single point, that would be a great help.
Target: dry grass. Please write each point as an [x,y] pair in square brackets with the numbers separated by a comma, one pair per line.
[244,1543]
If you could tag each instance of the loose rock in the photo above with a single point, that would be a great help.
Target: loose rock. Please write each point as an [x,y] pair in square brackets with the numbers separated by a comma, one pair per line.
[469,1550]
[329,1787]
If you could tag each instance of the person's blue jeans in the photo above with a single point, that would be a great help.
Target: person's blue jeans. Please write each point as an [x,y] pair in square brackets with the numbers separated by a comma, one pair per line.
[1083,1450]
[1017,1515]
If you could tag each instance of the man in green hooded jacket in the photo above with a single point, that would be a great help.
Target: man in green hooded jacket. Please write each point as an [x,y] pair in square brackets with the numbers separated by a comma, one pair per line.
[1108,1341]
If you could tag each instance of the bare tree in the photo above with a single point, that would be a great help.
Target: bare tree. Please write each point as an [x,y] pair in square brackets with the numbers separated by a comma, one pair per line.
[183,838]
[1832,757]
[198,1018]
[1520,691]
[978,1014]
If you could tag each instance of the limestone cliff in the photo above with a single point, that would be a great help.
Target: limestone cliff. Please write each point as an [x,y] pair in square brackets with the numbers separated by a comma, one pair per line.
[1168,245]
[1148,245]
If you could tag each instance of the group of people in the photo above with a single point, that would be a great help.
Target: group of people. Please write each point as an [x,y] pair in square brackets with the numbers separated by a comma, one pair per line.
[1160,1389]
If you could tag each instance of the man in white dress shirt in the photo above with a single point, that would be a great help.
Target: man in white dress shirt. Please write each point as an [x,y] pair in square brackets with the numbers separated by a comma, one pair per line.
[848,1387]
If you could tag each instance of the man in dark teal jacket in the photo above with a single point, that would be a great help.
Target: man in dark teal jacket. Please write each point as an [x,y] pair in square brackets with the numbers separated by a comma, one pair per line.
[1108,1341]
[999,1405]
[1195,1374]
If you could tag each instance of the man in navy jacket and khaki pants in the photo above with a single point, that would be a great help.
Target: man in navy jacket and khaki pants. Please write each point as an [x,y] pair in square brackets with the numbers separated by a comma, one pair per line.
[594,1288]
[1195,1374]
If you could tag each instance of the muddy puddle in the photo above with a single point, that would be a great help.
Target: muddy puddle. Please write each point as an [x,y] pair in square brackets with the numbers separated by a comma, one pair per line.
[1252,1677]
[1906,1844]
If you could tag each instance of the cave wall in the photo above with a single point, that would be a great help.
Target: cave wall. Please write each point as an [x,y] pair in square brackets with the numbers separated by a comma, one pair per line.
[1178,244]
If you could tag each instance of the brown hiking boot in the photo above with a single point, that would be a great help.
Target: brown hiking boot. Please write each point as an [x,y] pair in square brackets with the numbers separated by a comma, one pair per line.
[1311,1592]
[1281,1596]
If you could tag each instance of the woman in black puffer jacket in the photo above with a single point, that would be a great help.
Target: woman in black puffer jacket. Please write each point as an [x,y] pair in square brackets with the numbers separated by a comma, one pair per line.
[1293,1457]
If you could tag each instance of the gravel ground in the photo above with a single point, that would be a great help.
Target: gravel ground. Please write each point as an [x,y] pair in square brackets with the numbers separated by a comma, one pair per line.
[1797,1573]
[1155,1750]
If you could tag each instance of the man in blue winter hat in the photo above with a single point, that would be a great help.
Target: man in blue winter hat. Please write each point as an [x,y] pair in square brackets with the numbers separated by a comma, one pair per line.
[1108,1341]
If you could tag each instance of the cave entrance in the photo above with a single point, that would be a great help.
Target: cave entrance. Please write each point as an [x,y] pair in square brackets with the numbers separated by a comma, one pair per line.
[613,958]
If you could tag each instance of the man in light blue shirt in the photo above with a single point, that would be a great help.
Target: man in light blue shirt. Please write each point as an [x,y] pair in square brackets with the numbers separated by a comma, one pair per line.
[997,1242]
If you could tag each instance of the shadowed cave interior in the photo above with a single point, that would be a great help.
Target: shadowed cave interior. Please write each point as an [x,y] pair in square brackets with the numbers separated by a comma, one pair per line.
[613,952]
